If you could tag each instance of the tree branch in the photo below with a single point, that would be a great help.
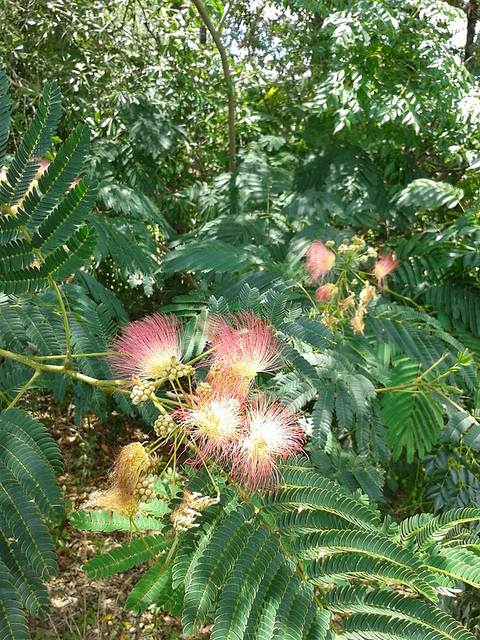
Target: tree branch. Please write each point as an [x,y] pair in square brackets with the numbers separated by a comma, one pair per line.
[228,79]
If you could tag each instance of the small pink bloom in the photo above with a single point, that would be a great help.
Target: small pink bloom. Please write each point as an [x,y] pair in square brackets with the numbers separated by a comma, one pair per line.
[319,260]
[382,267]
[244,345]
[146,346]
[272,432]
[325,292]
[214,420]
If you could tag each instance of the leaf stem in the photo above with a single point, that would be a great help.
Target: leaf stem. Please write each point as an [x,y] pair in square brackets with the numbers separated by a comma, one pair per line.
[106,385]
[68,356]
[23,389]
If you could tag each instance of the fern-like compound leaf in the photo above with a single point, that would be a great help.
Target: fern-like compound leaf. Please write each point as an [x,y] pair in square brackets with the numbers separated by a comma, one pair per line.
[57,180]
[413,417]
[4,114]
[309,521]
[13,624]
[36,142]
[29,459]
[107,521]
[322,415]
[424,530]
[63,262]
[31,591]
[349,600]
[212,568]
[458,563]
[315,545]
[242,586]
[377,627]
[149,588]
[25,524]
[33,434]
[58,226]
[125,557]
[350,566]
[312,332]
[43,233]
[32,472]
[329,499]
[429,193]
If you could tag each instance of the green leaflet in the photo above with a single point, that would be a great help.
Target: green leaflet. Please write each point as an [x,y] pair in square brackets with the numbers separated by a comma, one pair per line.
[126,556]
[351,600]
[45,236]
[424,530]
[458,563]
[150,587]
[314,545]
[224,545]
[252,571]
[29,458]
[4,113]
[413,416]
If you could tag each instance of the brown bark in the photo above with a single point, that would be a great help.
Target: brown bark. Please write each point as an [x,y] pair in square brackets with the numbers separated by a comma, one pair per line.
[473,13]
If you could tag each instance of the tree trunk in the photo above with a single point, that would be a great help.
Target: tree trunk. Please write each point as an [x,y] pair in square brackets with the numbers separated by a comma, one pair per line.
[472,11]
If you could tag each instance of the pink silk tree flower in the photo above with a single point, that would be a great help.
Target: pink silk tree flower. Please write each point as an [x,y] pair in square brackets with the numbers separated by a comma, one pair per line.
[383,266]
[272,432]
[146,346]
[325,292]
[244,345]
[320,260]
[214,420]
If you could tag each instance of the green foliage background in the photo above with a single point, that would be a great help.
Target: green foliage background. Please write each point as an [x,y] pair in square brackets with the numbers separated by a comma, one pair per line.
[352,120]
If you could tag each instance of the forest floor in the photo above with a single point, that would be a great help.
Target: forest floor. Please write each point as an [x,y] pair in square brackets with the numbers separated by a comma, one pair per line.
[84,609]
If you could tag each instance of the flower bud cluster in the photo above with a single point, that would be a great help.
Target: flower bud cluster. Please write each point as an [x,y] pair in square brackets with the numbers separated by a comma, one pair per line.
[145,489]
[175,369]
[203,388]
[164,426]
[141,392]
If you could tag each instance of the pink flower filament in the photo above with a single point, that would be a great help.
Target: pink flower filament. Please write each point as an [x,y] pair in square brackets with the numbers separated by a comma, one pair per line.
[320,260]
[272,432]
[146,346]
[244,345]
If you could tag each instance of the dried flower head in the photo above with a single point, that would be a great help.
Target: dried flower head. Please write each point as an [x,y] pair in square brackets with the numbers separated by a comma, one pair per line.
[146,346]
[131,463]
[329,320]
[319,260]
[272,432]
[191,507]
[383,266]
[346,303]
[215,420]
[119,501]
[325,292]
[357,322]
[367,294]
[244,345]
